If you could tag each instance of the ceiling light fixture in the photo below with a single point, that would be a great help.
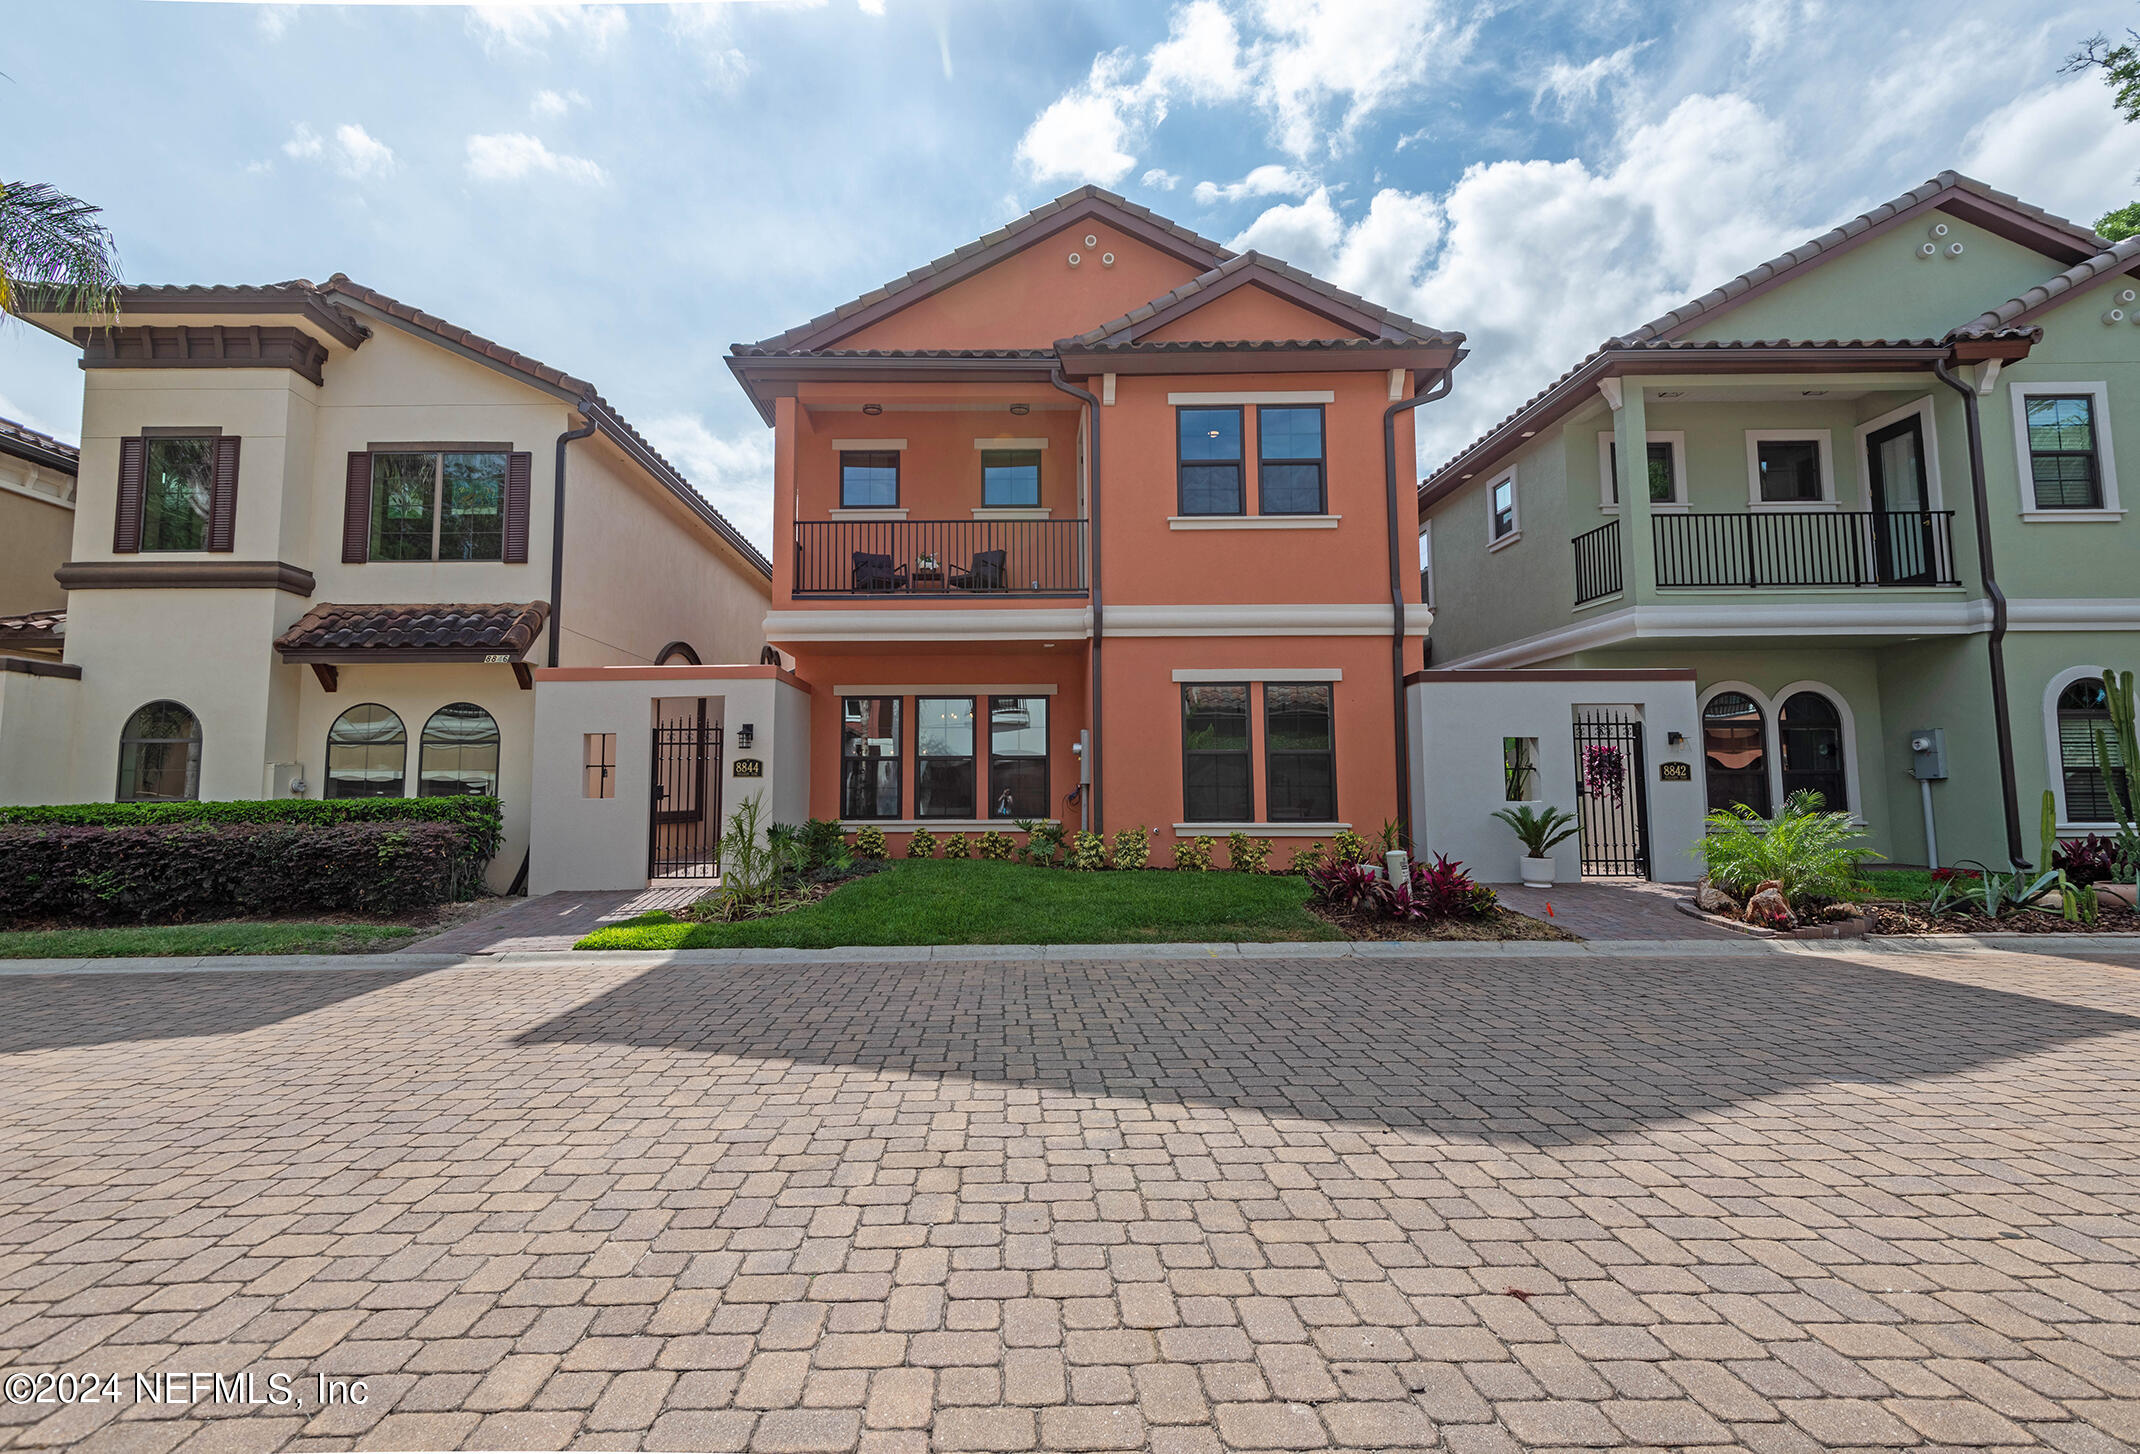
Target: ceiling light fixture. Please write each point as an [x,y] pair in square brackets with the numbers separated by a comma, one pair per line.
[1813,393]
[873,409]
[1021,410]
[1670,393]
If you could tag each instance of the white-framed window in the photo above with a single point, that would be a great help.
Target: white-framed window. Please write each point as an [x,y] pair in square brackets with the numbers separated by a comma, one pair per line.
[1759,747]
[2063,452]
[1790,469]
[1502,525]
[1667,461]
[1426,562]
[2075,708]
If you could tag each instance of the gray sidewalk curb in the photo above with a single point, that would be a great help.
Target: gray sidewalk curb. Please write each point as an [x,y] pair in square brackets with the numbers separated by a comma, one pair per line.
[2051,946]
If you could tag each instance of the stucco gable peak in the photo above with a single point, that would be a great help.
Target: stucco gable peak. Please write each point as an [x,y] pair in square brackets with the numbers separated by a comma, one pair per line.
[1304,289]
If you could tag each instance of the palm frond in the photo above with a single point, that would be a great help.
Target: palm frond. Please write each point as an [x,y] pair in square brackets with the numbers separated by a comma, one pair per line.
[55,254]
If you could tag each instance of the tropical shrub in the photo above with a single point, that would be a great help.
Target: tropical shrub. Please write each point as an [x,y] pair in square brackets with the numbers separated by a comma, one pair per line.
[2117,758]
[1088,851]
[957,845]
[2089,860]
[1193,853]
[1810,853]
[922,844]
[1539,832]
[1343,885]
[996,844]
[1043,842]
[1307,858]
[172,872]
[1447,890]
[1247,855]
[822,843]
[1350,847]
[869,842]
[785,841]
[1133,847]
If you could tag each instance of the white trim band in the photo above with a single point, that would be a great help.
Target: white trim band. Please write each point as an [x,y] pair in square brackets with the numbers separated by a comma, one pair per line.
[869,444]
[1256,396]
[1259,674]
[914,621]
[1253,522]
[1259,830]
[1010,444]
[954,689]
[1261,620]
[873,512]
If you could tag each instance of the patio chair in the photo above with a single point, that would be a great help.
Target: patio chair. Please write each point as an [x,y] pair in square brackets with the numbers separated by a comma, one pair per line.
[877,573]
[988,573]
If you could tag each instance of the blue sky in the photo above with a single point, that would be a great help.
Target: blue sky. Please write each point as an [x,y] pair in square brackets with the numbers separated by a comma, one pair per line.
[625,190]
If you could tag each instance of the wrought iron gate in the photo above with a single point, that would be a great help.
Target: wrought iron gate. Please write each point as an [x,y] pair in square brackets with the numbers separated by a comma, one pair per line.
[1611,796]
[684,817]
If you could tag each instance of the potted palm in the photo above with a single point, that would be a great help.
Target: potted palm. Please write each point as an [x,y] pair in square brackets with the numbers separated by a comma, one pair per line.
[1540,833]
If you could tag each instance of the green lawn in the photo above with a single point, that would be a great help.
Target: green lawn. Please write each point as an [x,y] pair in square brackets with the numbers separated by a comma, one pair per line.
[185,939]
[1906,884]
[940,901]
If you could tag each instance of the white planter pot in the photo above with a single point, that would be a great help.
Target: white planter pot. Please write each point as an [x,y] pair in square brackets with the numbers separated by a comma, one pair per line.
[1537,873]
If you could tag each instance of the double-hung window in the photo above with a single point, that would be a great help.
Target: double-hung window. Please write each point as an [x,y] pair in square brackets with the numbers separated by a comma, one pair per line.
[943,757]
[1300,771]
[1216,781]
[1010,478]
[869,757]
[1501,510]
[438,505]
[1289,453]
[1209,445]
[175,494]
[2065,464]
[1018,757]
[869,479]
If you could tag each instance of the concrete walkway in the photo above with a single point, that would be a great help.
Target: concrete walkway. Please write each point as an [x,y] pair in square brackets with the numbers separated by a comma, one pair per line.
[1624,910]
[551,921]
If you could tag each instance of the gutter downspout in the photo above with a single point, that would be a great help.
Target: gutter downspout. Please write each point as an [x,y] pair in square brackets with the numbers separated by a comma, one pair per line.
[1092,473]
[2001,717]
[557,522]
[1439,389]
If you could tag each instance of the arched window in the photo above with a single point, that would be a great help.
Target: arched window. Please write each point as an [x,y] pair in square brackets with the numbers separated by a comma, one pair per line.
[1809,731]
[677,651]
[1735,752]
[460,753]
[2083,710]
[367,754]
[160,755]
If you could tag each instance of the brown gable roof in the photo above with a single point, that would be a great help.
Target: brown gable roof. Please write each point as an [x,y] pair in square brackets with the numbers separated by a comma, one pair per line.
[511,359]
[1998,212]
[2117,258]
[443,633]
[1282,278]
[298,296]
[933,277]
[24,442]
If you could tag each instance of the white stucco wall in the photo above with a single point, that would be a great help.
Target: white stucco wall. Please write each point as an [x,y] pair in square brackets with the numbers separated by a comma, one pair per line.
[36,730]
[582,843]
[1457,779]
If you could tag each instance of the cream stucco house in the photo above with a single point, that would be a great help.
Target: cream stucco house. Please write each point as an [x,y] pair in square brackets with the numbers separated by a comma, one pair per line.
[323,541]
[36,527]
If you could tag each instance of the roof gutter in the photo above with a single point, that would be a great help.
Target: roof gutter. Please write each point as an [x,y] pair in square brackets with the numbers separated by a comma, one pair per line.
[557,524]
[1092,546]
[1439,389]
[2002,718]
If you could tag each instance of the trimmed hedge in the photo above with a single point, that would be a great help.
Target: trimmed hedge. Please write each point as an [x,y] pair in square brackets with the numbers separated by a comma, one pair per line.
[169,873]
[480,816]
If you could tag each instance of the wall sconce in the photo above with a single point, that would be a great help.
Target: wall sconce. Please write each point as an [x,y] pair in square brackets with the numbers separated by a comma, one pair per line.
[745,736]
[1021,410]
[873,409]
[1675,739]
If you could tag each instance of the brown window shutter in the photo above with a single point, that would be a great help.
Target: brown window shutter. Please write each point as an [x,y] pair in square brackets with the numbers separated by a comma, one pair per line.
[518,468]
[223,494]
[133,479]
[357,510]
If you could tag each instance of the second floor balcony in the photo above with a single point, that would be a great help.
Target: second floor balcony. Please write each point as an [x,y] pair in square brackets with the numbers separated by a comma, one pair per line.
[938,559]
[1761,549]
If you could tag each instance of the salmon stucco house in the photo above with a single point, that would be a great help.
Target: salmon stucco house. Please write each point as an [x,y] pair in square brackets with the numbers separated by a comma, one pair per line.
[1096,521]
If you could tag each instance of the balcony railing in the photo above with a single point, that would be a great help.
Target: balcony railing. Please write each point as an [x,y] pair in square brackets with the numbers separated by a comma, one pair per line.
[923,558]
[1758,548]
[1597,563]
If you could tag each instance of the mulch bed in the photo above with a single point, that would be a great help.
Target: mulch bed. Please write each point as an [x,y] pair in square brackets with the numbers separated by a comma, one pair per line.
[1502,924]
[1908,919]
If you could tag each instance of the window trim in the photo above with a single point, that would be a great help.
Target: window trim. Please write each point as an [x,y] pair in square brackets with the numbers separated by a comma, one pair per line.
[2054,760]
[1846,729]
[1248,749]
[1824,438]
[972,756]
[1321,462]
[897,758]
[1040,481]
[898,476]
[1045,756]
[1515,510]
[1240,463]
[1677,438]
[328,744]
[193,767]
[2106,468]
[1329,689]
[149,440]
[423,743]
[1771,705]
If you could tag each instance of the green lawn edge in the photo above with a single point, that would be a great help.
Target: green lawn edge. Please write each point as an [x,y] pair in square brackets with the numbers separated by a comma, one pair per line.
[163,941]
[940,901]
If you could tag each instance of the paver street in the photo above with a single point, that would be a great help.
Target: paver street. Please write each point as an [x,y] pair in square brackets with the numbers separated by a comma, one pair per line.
[1783,1203]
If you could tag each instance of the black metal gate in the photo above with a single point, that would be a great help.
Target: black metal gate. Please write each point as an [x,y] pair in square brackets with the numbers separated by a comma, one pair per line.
[684,818]
[1611,792]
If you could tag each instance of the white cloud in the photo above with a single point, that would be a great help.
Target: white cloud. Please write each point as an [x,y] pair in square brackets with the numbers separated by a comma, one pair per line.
[506,27]
[870,7]
[1200,59]
[509,156]
[734,472]
[702,31]
[1160,179]
[1083,134]
[1270,180]
[1572,85]
[552,104]
[2062,148]
[351,150]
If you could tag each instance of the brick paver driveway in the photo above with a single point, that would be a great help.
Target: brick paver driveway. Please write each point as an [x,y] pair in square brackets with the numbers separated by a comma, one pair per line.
[1178,1205]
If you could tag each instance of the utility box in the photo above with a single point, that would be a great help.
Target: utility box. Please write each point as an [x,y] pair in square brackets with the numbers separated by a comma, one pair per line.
[1928,755]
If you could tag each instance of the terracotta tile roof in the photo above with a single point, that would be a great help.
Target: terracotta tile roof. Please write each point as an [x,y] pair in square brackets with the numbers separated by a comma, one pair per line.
[21,437]
[461,629]
[1394,327]
[35,628]
[754,350]
[1010,232]
[2113,259]
[293,295]
[1236,345]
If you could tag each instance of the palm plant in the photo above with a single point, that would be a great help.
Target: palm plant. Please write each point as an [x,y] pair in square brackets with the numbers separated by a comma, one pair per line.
[1539,832]
[55,254]
[1810,853]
